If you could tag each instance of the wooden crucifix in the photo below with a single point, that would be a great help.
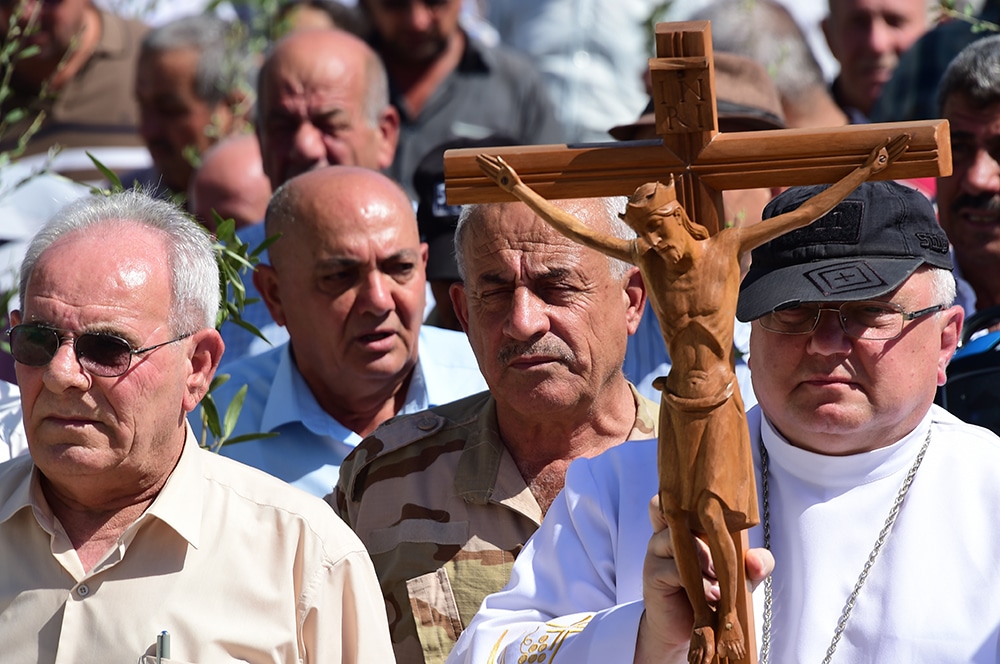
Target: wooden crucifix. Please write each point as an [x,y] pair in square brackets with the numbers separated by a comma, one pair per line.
[703,161]
[700,163]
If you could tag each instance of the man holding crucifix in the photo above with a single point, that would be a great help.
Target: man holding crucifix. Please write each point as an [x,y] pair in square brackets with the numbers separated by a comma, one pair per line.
[860,476]
[693,279]
[706,162]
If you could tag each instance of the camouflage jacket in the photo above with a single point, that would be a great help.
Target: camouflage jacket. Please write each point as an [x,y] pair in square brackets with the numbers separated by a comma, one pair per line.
[443,511]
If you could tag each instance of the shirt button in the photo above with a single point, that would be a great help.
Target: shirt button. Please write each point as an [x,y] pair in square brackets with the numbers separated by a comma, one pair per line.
[426,424]
[83,590]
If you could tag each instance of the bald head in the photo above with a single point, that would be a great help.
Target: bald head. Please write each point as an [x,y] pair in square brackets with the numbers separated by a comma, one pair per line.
[346,279]
[231,182]
[323,99]
[326,201]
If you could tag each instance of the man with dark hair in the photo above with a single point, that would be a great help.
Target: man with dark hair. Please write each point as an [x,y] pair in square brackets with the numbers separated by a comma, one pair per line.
[446,84]
[969,198]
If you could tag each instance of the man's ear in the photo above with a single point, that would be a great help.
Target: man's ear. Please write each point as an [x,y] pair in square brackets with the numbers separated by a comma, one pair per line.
[265,279]
[635,299]
[15,317]
[388,127]
[951,330]
[205,357]
[460,304]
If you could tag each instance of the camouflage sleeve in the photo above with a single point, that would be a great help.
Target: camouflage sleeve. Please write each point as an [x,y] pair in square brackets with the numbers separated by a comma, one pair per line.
[341,500]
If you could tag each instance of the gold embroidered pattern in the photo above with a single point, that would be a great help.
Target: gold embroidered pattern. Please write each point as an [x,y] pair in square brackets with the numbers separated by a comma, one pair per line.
[542,649]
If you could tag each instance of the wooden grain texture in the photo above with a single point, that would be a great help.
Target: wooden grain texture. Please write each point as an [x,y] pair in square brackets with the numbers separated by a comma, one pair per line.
[745,160]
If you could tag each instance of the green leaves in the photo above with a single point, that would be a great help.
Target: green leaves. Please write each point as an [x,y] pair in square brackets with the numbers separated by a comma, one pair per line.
[236,259]
[221,430]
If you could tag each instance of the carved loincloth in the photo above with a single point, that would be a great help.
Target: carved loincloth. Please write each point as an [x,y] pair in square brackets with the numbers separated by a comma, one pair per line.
[704,446]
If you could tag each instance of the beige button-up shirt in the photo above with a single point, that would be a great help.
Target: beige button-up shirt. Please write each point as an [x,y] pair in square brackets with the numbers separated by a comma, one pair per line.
[232,563]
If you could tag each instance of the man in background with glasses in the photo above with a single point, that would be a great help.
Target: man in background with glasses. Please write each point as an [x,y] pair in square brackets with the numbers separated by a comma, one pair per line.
[120,539]
[878,507]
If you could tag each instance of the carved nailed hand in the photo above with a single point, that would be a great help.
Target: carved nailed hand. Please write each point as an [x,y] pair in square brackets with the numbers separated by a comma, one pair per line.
[499,171]
[882,156]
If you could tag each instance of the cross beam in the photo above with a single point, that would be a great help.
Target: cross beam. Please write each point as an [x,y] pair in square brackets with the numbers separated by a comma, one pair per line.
[704,161]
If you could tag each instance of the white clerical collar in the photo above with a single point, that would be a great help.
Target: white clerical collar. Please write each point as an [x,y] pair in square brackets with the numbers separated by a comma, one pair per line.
[842,471]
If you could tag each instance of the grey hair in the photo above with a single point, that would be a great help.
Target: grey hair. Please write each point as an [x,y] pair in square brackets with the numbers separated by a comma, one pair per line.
[224,60]
[974,74]
[377,88]
[194,272]
[943,287]
[612,205]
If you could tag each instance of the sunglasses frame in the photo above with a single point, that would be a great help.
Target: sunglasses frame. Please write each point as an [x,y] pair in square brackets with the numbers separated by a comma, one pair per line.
[86,362]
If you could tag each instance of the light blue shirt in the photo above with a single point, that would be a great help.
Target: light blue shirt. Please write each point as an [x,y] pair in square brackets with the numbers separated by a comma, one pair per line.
[310,445]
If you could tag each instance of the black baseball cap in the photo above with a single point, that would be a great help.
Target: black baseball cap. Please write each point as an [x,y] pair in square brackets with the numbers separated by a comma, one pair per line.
[865,247]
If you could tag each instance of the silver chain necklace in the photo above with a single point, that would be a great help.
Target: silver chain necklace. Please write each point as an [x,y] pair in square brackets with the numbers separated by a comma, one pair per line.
[765,640]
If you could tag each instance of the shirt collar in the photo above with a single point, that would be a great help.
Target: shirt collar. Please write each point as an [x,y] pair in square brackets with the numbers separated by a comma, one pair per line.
[22,493]
[181,501]
[478,477]
[290,401]
[843,471]
[179,504]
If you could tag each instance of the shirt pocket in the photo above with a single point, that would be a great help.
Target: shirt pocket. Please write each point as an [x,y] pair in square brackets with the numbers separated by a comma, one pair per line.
[435,613]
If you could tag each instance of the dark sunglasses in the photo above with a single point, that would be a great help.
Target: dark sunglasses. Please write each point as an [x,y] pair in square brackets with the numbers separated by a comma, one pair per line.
[100,353]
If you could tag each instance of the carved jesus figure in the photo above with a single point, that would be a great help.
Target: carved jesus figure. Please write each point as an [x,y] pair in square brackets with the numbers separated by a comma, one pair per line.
[706,472]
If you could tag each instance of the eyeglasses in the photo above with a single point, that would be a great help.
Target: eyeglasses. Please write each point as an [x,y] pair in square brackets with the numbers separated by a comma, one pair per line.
[873,320]
[100,353]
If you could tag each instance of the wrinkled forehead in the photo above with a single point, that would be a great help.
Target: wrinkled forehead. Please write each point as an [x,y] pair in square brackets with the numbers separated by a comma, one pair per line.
[511,240]
[294,73]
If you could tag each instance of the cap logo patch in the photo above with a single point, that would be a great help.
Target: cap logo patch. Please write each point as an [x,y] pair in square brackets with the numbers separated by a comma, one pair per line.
[842,225]
[844,277]
[932,242]
[440,207]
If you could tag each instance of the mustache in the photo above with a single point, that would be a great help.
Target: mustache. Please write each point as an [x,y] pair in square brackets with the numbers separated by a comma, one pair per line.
[988,202]
[544,347]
